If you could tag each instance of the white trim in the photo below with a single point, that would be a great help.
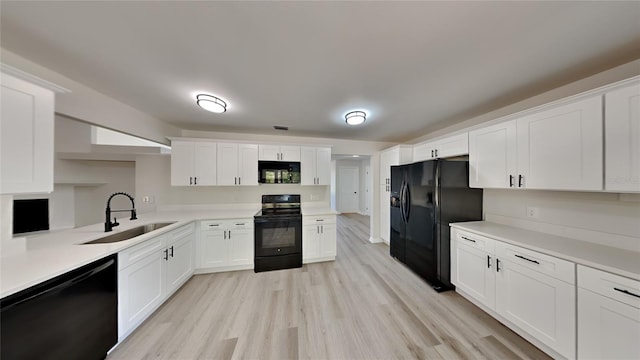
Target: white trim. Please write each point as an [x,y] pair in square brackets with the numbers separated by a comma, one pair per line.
[375,240]
[10,70]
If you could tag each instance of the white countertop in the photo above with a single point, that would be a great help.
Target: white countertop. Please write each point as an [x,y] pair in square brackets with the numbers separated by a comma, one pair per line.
[50,254]
[317,210]
[615,260]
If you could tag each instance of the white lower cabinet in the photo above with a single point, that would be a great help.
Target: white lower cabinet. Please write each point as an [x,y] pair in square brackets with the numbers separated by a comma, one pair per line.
[318,238]
[539,304]
[225,245]
[472,267]
[532,293]
[150,272]
[608,315]
[179,254]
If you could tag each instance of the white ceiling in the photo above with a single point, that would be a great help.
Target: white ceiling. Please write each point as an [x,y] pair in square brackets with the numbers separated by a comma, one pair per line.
[413,66]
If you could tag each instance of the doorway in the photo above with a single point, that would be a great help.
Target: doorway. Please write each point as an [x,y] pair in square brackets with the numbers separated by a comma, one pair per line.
[348,189]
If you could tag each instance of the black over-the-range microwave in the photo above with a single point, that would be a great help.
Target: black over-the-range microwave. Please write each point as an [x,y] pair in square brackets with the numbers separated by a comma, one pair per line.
[278,172]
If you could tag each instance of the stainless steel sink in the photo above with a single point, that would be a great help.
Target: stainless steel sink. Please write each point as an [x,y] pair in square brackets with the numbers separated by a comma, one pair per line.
[129,234]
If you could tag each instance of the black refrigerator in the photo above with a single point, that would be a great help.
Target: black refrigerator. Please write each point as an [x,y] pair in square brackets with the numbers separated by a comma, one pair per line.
[425,198]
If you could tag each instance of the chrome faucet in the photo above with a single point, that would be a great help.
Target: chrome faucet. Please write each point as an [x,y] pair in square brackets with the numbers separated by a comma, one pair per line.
[108,225]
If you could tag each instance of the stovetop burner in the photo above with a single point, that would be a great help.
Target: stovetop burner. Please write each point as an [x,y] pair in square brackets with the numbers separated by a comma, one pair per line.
[279,205]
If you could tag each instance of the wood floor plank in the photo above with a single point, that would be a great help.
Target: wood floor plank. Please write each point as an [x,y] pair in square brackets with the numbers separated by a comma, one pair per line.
[364,305]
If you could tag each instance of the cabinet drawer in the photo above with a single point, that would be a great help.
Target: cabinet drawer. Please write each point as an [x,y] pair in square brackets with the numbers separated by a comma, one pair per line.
[473,240]
[140,251]
[182,231]
[319,219]
[212,225]
[545,264]
[240,224]
[610,285]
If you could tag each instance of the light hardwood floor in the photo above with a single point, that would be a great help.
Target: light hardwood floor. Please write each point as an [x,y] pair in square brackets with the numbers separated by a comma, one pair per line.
[365,305]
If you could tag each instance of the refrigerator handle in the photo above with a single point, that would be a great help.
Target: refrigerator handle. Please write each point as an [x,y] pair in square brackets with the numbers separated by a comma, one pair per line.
[407,202]
[436,190]
[402,201]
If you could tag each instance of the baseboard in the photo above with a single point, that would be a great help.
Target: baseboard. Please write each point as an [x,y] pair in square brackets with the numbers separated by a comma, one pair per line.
[315,260]
[375,240]
[222,269]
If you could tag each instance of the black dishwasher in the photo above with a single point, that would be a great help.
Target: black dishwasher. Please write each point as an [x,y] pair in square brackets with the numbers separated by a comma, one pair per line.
[72,316]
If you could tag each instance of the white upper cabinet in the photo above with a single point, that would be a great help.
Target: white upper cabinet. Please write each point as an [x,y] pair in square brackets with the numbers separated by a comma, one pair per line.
[556,149]
[561,148]
[492,156]
[26,128]
[397,155]
[622,139]
[315,166]
[279,152]
[193,163]
[455,145]
[237,164]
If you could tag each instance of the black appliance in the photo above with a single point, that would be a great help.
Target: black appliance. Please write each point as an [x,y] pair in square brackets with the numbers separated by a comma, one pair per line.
[425,198]
[278,172]
[278,233]
[72,316]
[30,215]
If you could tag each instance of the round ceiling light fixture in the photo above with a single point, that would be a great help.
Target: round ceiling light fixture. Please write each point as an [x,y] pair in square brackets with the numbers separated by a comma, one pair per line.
[211,103]
[355,117]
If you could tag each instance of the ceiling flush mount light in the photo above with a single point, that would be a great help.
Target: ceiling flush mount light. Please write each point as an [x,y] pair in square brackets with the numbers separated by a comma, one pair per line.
[355,117]
[211,103]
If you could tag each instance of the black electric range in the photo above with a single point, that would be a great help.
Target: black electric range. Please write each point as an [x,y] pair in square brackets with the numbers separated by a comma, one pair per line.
[278,233]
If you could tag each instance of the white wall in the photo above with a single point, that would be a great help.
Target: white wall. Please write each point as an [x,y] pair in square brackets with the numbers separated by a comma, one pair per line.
[153,178]
[89,105]
[602,218]
[618,73]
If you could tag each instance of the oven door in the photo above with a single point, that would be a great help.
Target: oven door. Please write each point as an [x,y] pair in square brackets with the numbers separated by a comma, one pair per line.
[278,236]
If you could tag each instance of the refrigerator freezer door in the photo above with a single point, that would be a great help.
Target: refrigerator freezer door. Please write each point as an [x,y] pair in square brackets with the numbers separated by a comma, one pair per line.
[397,225]
[420,248]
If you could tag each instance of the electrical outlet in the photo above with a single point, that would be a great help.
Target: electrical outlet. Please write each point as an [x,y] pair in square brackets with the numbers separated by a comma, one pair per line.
[147,199]
[532,212]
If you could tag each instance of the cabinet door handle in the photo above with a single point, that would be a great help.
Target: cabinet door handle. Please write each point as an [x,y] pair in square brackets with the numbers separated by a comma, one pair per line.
[241,224]
[488,262]
[625,291]
[466,238]
[229,234]
[524,258]
[195,180]
[497,265]
[239,180]
[171,253]
[235,181]
[510,180]
[225,234]
[321,229]
[166,254]
[319,219]
[190,180]
[436,152]
[431,153]
[520,178]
